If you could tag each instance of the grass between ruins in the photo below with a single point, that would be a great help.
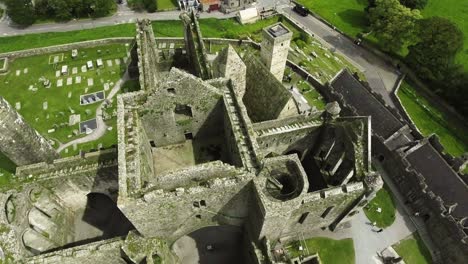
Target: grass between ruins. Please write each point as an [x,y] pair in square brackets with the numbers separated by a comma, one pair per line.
[429,119]
[330,251]
[413,250]
[385,202]
[166,4]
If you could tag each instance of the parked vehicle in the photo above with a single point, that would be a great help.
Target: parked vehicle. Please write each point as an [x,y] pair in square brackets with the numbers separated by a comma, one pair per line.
[301,10]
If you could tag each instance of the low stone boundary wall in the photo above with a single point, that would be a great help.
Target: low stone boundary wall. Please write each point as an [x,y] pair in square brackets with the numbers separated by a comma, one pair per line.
[66,47]
[3,64]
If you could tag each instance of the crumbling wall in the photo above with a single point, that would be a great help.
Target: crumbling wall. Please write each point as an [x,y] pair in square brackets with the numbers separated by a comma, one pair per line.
[199,104]
[228,64]
[219,198]
[20,142]
[288,135]
[265,97]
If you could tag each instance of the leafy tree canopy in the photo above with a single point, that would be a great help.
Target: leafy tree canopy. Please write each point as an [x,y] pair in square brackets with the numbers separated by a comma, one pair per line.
[393,23]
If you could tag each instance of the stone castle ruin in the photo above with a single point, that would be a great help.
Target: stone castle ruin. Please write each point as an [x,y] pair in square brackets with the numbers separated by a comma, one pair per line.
[215,147]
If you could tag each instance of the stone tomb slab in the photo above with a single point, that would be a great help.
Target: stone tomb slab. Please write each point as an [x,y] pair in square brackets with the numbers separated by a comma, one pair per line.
[69,80]
[59,82]
[109,63]
[88,126]
[90,82]
[84,69]
[117,61]
[56,58]
[18,72]
[78,79]
[92,98]
[75,70]
[57,73]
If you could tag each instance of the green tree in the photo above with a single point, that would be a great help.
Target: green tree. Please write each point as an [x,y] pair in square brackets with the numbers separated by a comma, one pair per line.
[150,5]
[414,4]
[21,11]
[393,23]
[61,9]
[103,7]
[434,54]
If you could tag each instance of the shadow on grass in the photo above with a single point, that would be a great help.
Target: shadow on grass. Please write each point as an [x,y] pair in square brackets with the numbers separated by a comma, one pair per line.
[422,248]
[355,18]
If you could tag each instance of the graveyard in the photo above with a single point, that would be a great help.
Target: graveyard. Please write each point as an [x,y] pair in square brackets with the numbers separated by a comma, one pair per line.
[55,92]
[323,63]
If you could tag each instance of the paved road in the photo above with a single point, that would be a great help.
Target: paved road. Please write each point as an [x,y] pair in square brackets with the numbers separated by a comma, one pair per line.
[123,15]
[368,243]
[101,125]
[381,76]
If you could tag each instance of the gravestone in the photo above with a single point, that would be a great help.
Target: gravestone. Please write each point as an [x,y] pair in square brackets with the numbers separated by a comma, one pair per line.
[70,81]
[106,87]
[59,83]
[90,82]
[18,105]
[57,73]
[109,63]
[45,105]
[84,69]
[75,70]
[69,94]
[117,61]
[78,79]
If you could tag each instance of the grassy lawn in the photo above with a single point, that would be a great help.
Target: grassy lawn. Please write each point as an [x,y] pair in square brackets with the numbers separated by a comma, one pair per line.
[62,100]
[166,4]
[56,38]
[320,62]
[457,12]
[413,250]
[346,15]
[7,169]
[330,251]
[429,119]
[313,97]
[383,200]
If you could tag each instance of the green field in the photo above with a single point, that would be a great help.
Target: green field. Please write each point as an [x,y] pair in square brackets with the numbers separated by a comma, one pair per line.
[413,250]
[7,169]
[384,201]
[457,12]
[56,38]
[166,4]
[62,99]
[347,15]
[330,251]
[429,119]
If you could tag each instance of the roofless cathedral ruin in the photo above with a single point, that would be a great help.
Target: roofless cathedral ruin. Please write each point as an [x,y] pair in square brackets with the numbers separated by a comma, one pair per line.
[209,143]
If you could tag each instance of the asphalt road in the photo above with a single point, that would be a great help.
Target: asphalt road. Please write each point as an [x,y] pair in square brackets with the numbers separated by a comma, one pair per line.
[381,76]
[122,16]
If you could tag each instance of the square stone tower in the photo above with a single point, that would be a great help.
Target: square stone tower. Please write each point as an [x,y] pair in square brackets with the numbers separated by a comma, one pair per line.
[275,47]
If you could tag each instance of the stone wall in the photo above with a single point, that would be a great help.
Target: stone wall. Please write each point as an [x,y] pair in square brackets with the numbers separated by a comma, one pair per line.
[66,47]
[274,219]
[21,143]
[220,197]
[265,98]
[190,106]
[274,50]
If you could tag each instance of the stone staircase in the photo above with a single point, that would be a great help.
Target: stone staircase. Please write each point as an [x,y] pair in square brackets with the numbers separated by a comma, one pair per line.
[286,128]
